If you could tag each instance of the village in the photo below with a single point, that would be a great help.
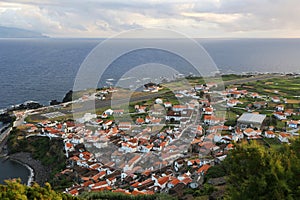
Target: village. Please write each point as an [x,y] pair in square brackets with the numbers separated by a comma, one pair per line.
[166,144]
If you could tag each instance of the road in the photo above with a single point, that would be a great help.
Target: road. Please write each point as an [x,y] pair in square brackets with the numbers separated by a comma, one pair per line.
[3,139]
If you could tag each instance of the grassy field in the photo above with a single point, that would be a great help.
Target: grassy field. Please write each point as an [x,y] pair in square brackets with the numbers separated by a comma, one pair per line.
[285,86]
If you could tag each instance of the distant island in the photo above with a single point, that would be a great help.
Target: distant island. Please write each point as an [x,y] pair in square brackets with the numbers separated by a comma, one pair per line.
[10,32]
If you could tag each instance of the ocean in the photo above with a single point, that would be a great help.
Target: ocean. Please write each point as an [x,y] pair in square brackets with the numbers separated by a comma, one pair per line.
[10,169]
[45,69]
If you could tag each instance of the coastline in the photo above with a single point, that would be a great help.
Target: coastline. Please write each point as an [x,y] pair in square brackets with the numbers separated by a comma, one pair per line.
[38,172]
[31,171]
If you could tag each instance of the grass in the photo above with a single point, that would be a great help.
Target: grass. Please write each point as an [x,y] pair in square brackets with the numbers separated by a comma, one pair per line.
[283,85]
[273,143]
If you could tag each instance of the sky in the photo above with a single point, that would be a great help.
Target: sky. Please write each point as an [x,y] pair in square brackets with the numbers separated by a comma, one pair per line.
[195,18]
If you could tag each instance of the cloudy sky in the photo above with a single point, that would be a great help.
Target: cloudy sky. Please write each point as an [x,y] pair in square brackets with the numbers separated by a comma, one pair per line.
[200,19]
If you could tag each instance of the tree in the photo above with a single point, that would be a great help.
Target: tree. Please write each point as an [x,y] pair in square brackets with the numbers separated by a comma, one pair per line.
[15,190]
[257,172]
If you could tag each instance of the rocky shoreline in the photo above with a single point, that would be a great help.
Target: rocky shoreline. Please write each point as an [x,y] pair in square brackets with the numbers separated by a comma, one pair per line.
[39,173]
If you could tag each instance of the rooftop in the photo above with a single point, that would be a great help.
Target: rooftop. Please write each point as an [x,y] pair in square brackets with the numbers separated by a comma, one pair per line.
[251,118]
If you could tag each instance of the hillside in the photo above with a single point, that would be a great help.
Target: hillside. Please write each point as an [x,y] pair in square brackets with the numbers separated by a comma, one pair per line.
[10,32]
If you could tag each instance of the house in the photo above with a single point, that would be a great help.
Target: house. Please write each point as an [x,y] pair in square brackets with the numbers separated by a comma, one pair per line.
[98,185]
[178,108]
[229,147]
[279,115]
[260,104]
[156,121]
[151,87]
[235,94]
[124,126]
[173,183]
[199,87]
[211,120]
[204,102]
[158,101]
[251,120]
[269,134]
[208,110]
[148,119]
[193,162]
[238,133]
[74,192]
[249,132]
[168,104]
[145,149]
[162,182]
[255,95]
[179,95]
[293,123]
[127,148]
[232,102]
[199,130]
[140,109]
[109,112]
[284,137]
[275,99]
[203,169]
[104,116]
[279,108]
[173,116]
[139,121]
[289,112]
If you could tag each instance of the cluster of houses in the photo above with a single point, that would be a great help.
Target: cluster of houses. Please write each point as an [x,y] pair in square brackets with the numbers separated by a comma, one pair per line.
[131,158]
[93,175]
[252,125]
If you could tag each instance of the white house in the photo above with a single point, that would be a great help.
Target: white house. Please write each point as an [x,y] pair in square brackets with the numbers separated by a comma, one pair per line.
[269,134]
[275,99]
[109,112]
[158,101]
[249,132]
[279,116]
[168,104]
[284,137]
[208,110]
[293,124]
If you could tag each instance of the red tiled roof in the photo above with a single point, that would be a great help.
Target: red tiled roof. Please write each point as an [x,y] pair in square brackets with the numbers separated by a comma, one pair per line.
[137,192]
[187,180]
[74,192]
[175,181]
[204,168]
[140,120]
[163,180]
[87,183]
[69,145]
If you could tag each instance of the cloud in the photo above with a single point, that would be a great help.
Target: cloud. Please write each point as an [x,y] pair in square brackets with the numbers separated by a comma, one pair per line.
[202,18]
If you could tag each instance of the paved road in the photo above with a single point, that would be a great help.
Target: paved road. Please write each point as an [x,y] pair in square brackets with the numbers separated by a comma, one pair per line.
[3,140]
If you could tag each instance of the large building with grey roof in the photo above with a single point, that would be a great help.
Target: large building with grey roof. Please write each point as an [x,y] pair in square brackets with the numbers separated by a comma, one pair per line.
[252,120]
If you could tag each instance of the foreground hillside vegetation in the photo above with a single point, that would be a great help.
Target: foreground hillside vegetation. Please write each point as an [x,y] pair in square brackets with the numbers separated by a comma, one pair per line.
[254,171]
